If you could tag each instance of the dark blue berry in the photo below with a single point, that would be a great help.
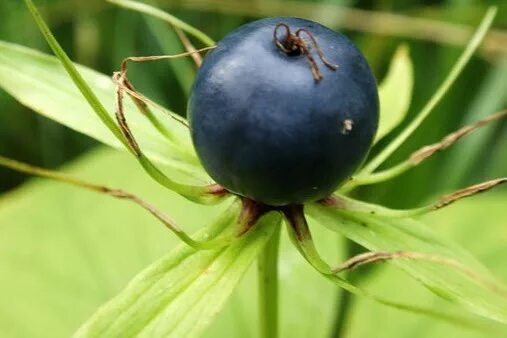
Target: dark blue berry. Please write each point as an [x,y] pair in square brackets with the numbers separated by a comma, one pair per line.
[269,124]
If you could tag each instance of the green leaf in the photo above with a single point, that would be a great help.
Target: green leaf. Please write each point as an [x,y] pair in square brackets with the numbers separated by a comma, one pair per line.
[395,92]
[302,291]
[66,251]
[179,294]
[75,250]
[60,261]
[383,234]
[458,222]
[39,82]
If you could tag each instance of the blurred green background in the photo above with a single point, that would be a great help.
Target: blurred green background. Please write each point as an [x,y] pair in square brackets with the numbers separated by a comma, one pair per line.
[99,35]
[45,265]
[54,275]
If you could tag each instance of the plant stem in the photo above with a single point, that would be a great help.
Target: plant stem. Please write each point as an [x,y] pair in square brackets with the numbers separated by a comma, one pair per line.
[268,287]
[343,306]
[345,298]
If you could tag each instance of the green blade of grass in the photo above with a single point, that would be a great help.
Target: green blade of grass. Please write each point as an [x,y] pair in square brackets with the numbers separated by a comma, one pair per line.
[167,39]
[158,13]
[78,80]
[437,97]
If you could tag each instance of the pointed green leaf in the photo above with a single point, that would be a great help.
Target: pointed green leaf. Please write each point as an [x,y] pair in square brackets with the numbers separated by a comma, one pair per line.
[65,251]
[61,261]
[39,82]
[179,294]
[395,92]
[366,316]
[458,222]
[476,293]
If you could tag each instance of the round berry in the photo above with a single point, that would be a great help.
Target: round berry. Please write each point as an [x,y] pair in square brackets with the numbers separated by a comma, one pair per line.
[283,111]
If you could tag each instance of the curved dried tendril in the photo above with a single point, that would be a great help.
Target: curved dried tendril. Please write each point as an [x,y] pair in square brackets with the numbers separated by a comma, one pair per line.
[371,257]
[121,80]
[420,155]
[200,194]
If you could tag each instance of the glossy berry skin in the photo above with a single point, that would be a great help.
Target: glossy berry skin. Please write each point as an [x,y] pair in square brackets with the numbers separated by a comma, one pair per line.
[264,128]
